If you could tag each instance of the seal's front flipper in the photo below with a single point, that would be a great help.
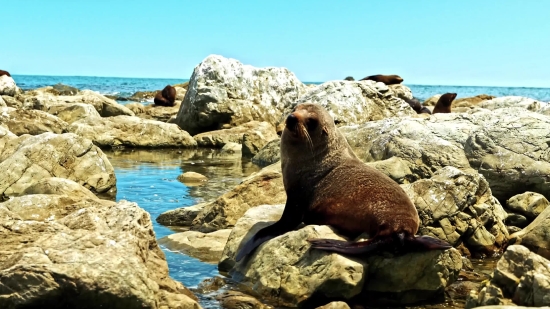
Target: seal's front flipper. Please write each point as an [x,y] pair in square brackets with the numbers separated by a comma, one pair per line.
[428,243]
[291,218]
[346,247]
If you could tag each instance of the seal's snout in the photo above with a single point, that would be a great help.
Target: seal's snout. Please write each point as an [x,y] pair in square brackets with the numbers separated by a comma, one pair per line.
[291,121]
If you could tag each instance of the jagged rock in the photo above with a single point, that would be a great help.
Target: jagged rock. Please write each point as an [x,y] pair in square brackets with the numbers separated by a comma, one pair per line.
[269,154]
[335,305]
[132,131]
[182,216]
[431,101]
[516,220]
[27,159]
[471,101]
[2,102]
[263,187]
[65,252]
[457,206]
[207,247]
[529,204]
[507,146]
[286,264]
[521,276]
[8,86]
[155,112]
[395,168]
[223,91]
[232,148]
[143,96]
[511,101]
[31,122]
[12,102]
[536,236]
[217,139]
[73,112]
[355,102]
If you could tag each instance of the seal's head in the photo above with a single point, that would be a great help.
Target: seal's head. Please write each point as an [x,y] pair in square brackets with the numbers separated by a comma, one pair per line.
[307,122]
[447,98]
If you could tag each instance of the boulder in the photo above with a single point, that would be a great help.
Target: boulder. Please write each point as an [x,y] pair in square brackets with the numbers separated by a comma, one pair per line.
[521,277]
[401,91]
[258,134]
[182,216]
[223,92]
[471,101]
[263,187]
[192,178]
[65,89]
[2,102]
[27,159]
[536,236]
[131,131]
[73,112]
[67,252]
[31,122]
[8,86]
[286,272]
[104,106]
[457,206]
[355,102]
[207,247]
[12,102]
[270,153]
[511,101]
[59,186]
[507,146]
[529,204]
[154,112]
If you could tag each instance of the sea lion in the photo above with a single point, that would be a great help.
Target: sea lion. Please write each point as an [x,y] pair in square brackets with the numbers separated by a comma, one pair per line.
[166,97]
[326,183]
[443,105]
[386,79]
[2,72]
[417,106]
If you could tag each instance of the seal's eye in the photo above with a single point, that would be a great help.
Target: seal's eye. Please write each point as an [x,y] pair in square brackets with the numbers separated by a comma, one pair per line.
[312,124]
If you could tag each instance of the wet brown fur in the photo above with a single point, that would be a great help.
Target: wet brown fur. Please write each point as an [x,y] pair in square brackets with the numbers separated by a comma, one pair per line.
[2,72]
[386,79]
[166,97]
[443,105]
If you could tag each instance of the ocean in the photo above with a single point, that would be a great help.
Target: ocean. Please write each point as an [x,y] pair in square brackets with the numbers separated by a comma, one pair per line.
[125,87]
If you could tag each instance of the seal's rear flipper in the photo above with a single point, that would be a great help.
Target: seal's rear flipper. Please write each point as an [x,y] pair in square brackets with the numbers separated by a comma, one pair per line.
[346,247]
[256,240]
[429,243]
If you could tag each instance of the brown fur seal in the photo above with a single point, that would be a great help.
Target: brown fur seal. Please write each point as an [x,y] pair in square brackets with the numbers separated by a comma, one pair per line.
[417,106]
[443,105]
[2,72]
[166,97]
[349,78]
[386,79]
[326,183]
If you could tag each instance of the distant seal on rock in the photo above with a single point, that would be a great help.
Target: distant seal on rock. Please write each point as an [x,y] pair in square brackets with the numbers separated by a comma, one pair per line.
[166,97]
[443,105]
[417,106]
[386,79]
[2,72]
[326,183]
[349,78]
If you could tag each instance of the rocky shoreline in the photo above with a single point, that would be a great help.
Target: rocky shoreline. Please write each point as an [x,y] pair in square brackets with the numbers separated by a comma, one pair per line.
[478,177]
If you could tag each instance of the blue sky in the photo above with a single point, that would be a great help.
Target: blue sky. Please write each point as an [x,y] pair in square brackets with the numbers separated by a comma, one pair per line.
[489,43]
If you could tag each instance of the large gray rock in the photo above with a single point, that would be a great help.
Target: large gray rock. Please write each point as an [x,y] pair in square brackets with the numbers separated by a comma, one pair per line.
[132,131]
[287,272]
[512,101]
[223,91]
[155,112]
[207,247]
[521,277]
[59,186]
[31,122]
[65,252]
[27,159]
[8,86]
[507,146]
[529,204]
[270,153]
[355,102]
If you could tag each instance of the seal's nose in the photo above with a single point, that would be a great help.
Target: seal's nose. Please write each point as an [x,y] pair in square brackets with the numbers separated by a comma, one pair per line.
[291,120]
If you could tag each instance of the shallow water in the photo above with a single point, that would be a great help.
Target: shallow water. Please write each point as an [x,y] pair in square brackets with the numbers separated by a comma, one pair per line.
[149,179]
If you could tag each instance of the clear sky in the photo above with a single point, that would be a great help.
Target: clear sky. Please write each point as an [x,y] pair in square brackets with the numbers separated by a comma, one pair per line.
[437,42]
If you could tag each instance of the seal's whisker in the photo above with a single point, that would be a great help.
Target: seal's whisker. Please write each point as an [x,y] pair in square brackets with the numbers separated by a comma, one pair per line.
[308,138]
